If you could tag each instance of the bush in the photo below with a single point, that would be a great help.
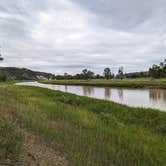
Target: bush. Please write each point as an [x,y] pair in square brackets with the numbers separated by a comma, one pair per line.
[3,77]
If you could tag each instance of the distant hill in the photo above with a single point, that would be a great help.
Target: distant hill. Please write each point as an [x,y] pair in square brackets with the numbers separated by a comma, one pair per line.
[137,74]
[25,74]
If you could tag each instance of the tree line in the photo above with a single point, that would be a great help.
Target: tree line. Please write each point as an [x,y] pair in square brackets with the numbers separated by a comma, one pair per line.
[158,71]
[88,75]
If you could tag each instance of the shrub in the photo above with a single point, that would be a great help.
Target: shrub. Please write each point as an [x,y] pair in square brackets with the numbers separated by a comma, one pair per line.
[3,77]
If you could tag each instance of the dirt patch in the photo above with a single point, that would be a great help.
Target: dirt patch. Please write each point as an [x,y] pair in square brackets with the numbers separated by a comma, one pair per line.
[37,153]
[34,151]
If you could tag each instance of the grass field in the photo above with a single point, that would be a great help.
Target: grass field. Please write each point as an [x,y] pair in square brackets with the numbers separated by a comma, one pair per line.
[84,131]
[129,83]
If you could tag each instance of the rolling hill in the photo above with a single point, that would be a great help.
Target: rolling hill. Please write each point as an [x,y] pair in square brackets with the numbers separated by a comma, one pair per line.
[25,74]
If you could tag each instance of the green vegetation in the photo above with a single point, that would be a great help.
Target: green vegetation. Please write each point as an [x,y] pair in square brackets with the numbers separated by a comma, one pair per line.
[107,73]
[158,71]
[13,73]
[3,77]
[120,73]
[1,58]
[86,131]
[128,83]
[10,141]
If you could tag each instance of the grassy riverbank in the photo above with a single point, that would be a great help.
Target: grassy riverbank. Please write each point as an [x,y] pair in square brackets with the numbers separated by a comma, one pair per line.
[79,130]
[128,83]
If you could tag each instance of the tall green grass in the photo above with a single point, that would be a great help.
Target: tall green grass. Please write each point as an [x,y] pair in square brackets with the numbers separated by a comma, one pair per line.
[10,140]
[88,132]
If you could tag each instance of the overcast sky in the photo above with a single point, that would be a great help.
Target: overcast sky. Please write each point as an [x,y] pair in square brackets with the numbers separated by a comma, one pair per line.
[68,35]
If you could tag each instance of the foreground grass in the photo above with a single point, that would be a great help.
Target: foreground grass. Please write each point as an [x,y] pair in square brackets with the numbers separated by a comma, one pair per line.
[87,131]
[129,83]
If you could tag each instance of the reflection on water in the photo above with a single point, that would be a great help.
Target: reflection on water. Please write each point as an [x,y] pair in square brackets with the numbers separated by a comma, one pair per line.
[158,97]
[157,94]
[120,93]
[65,88]
[87,90]
[107,93]
[148,98]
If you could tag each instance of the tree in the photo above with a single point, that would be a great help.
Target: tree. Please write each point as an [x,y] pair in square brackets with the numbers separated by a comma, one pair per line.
[87,74]
[3,76]
[158,71]
[1,58]
[65,75]
[155,71]
[84,73]
[107,73]
[90,74]
[120,72]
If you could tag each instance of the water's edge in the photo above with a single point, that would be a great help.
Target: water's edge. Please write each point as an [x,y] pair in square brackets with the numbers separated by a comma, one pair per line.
[145,98]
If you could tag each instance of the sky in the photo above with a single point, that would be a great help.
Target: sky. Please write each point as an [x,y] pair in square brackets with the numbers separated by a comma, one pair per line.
[68,35]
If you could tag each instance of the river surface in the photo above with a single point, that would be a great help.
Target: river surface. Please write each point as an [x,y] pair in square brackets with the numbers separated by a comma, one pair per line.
[147,98]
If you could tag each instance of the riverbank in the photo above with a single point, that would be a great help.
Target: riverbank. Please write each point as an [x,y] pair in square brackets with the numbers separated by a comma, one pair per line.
[78,130]
[127,83]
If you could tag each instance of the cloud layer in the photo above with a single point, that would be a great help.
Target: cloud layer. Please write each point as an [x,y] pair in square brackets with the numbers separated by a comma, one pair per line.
[67,35]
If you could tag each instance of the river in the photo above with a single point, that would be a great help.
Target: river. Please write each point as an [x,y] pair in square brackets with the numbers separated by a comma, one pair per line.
[146,98]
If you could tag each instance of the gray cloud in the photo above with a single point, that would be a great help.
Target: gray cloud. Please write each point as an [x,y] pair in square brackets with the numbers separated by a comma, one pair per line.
[68,35]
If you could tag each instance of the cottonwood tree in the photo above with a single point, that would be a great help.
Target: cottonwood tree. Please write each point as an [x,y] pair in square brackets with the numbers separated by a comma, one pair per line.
[1,58]
[87,74]
[3,76]
[120,72]
[158,71]
[107,73]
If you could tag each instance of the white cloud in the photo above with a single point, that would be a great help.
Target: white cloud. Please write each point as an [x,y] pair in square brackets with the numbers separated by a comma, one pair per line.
[68,35]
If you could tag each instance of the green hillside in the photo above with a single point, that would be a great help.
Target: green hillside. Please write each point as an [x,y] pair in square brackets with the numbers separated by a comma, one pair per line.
[14,73]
